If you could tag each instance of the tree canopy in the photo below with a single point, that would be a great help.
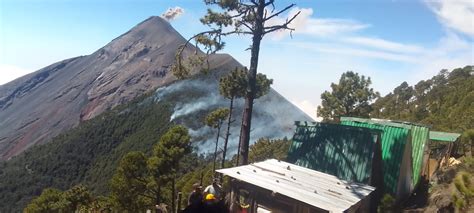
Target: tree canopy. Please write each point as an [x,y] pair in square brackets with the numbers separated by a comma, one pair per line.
[140,181]
[129,183]
[352,96]
[266,148]
[54,200]
[445,102]
[215,119]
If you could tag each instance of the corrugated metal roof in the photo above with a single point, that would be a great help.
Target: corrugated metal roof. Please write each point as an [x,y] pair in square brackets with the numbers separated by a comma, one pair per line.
[314,188]
[403,124]
[394,140]
[419,138]
[444,136]
[344,151]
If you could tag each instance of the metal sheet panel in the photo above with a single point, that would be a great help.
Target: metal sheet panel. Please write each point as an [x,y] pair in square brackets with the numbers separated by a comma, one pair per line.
[344,151]
[315,188]
[418,137]
[393,140]
[444,136]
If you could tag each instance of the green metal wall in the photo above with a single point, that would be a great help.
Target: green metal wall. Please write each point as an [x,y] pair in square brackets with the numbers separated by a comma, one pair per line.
[394,140]
[344,151]
[418,137]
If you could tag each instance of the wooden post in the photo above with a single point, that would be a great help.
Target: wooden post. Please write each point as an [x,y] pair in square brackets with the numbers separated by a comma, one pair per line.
[173,195]
[233,197]
[202,176]
[180,197]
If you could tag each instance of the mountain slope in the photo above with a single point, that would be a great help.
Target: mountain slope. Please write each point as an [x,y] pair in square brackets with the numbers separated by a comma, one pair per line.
[89,153]
[39,106]
[91,111]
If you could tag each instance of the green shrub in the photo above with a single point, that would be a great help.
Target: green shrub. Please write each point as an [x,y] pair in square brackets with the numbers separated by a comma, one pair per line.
[386,204]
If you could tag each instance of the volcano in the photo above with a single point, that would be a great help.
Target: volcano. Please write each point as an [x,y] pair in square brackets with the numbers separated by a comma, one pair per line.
[36,107]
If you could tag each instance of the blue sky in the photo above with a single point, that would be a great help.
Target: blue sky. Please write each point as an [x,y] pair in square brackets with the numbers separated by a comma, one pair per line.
[389,40]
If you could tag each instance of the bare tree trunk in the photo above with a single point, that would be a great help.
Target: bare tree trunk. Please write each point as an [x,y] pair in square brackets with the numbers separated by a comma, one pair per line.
[215,151]
[472,147]
[229,121]
[240,142]
[180,197]
[158,196]
[173,195]
[252,76]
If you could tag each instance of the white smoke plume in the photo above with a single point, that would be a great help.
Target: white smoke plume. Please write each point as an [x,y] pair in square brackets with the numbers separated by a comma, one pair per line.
[199,104]
[273,116]
[172,13]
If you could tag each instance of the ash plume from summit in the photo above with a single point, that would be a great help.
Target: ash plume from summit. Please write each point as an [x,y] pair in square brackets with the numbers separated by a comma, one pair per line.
[172,13]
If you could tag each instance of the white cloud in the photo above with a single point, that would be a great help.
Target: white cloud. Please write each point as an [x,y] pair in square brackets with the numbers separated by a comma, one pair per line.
[454,14]
[172,13]
[336,47]
[305,24]
[384,44]
[9,73]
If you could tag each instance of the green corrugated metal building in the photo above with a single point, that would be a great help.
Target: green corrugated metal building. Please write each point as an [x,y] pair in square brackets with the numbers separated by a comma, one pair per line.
[401,142]
[350,153]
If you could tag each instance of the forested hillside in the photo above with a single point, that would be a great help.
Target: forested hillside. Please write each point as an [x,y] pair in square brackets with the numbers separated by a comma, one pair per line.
[445,102]
[88,154]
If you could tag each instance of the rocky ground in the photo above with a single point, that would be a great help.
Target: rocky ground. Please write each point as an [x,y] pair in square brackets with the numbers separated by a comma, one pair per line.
[450,190]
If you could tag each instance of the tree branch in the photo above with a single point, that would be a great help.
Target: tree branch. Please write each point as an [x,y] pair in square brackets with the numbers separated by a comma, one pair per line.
[195,36]
[282,26]
[236,32]
[279,12]
[148,196]
[272,3]
[246,25]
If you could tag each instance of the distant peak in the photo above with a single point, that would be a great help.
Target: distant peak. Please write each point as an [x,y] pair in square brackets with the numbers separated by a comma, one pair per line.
[154,19]
[154,30]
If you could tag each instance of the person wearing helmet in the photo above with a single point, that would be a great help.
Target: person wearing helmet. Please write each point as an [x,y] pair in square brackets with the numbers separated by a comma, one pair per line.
[215,189]
[210,197]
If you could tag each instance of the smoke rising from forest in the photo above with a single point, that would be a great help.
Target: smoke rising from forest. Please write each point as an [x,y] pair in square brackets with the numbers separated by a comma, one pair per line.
[194,98]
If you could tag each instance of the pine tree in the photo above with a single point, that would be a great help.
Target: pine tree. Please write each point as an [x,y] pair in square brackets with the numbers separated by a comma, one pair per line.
[129,184]
[53,200]
[167,154]
[244,18]
[351,97]
[231,86]
[215,119]
[49,201]
[140,181]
